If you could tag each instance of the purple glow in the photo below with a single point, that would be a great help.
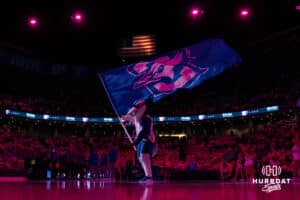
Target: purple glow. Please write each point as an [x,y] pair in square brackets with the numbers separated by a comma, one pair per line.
[32,21]
[298,7]
[196,12]
[77,17]
[244,13]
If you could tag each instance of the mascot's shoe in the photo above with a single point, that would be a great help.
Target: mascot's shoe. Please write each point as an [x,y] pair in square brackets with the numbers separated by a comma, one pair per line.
[146,180]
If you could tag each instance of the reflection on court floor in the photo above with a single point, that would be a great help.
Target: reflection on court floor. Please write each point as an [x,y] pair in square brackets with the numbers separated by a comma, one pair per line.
[109,190]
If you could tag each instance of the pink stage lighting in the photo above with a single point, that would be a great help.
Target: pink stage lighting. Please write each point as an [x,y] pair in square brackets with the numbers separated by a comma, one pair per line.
[298,7]
[77,17]
[244,13]
[32,21]
[196,12]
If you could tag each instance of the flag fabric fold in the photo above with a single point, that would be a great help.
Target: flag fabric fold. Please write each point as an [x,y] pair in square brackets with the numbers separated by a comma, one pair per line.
[158,77]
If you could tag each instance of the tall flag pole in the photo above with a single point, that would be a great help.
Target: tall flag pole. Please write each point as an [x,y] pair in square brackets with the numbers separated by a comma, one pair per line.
[118,116]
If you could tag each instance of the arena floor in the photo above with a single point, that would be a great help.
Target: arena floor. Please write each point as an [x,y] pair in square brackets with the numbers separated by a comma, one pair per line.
[94,190]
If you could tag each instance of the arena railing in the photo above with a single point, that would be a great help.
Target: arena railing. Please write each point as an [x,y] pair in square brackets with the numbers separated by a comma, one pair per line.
[243,113]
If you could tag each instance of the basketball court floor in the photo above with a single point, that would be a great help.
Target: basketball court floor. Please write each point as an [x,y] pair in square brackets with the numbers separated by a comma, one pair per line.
[112,190]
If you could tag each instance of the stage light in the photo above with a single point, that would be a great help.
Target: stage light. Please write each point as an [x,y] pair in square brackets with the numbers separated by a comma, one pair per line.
[196,12]
[244,113]
[85,119]
[33,22]
[244,13]
[77,17]
[298,7]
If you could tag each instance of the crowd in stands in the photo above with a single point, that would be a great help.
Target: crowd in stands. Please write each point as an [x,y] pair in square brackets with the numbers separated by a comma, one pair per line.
[227,155]
[89,107]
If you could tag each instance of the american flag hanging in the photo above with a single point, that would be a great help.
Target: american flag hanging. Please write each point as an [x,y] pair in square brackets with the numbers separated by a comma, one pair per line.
[141,46]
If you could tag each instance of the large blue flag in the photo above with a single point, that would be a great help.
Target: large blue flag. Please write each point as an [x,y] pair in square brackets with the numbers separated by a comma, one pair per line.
[161,76]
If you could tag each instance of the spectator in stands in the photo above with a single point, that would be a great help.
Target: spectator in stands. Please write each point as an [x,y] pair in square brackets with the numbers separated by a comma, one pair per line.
[239,168]
[104,161]
[249,164]
[228,162]
[296,152]
[113,155]
[297,110]
[93,161]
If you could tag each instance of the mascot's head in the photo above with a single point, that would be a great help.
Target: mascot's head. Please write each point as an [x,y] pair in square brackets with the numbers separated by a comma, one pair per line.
[138,109]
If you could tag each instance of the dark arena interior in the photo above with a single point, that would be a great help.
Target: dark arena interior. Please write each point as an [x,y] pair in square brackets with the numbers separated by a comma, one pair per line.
[234,136]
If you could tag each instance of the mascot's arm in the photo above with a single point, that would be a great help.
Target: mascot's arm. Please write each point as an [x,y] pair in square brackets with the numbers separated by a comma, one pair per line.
[146,127]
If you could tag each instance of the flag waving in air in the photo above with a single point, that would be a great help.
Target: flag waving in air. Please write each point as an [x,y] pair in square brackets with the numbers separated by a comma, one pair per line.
[161,76]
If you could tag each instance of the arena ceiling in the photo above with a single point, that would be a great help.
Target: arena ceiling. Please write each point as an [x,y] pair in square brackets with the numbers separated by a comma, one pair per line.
[106,23]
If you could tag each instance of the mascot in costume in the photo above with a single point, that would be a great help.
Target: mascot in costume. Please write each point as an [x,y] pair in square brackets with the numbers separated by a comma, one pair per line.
[145,142]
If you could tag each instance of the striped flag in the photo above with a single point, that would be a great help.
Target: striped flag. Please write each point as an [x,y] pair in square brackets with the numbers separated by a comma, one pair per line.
[141,46]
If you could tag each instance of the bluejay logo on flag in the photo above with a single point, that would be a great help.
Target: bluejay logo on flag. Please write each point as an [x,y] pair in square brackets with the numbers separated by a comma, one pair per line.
[164,75]
[155,78]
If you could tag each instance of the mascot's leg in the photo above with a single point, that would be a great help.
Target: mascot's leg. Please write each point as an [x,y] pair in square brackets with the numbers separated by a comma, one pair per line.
[145,161]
